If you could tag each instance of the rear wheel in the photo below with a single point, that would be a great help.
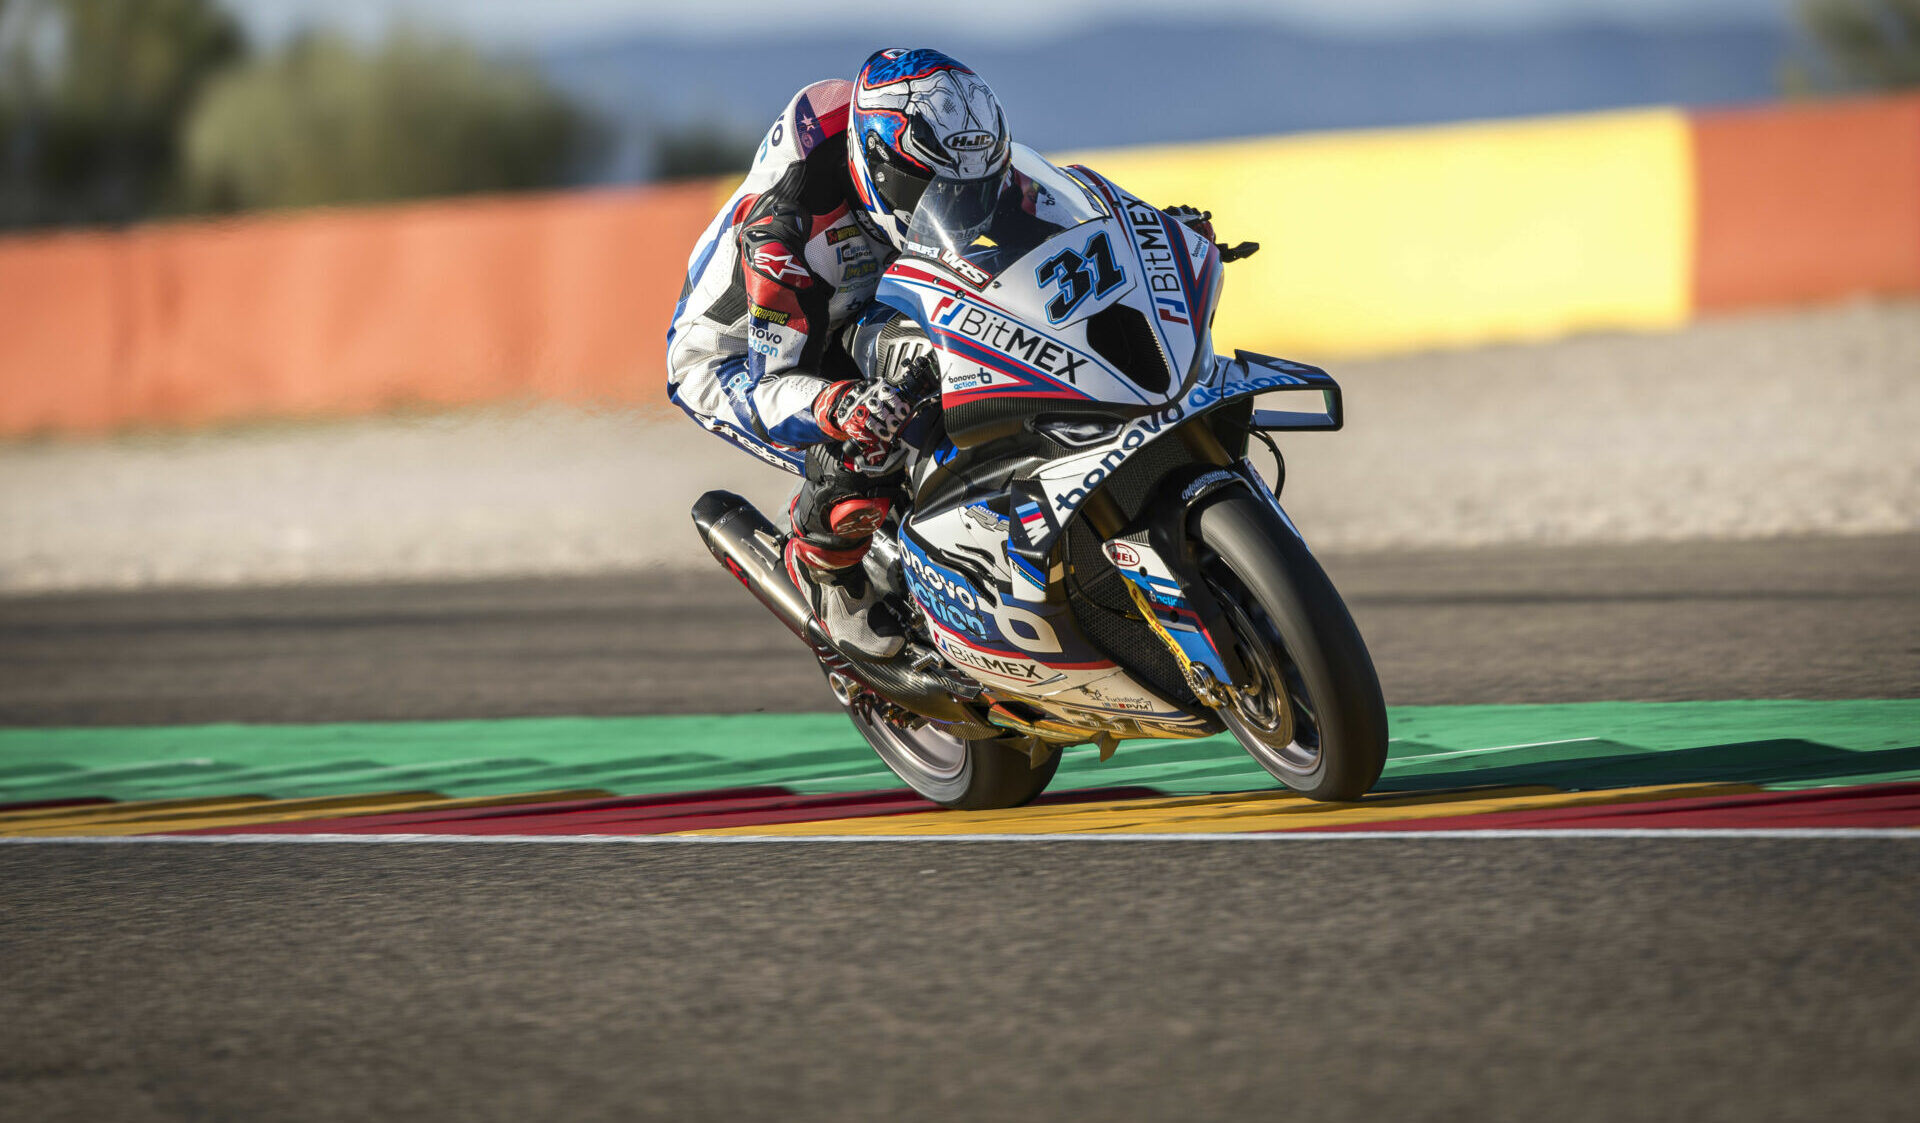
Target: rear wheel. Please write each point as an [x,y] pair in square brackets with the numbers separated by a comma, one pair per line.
[1312,715]
[956,772]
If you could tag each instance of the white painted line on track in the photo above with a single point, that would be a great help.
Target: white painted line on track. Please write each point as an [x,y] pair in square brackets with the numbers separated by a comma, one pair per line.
[1494,749]
[1911,833]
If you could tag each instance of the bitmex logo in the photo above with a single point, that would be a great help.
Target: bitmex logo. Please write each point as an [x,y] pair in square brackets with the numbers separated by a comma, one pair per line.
[1021,669]
[1011,339]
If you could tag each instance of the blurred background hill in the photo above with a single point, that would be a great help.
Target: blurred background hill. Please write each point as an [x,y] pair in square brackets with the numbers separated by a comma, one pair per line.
[1208,77]
[112,110]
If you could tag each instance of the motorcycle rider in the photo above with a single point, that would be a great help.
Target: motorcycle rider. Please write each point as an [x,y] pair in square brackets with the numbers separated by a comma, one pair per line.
[756,352]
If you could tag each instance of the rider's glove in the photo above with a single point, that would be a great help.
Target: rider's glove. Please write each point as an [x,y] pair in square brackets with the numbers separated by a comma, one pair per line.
[1200,222]
[870,414]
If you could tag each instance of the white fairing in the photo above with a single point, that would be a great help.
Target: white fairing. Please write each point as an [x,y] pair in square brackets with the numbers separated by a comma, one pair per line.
[1131,254]
[990,620]
[1009,320]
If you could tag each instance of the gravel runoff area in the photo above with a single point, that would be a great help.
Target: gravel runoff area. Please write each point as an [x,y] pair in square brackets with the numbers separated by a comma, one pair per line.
[1754,426]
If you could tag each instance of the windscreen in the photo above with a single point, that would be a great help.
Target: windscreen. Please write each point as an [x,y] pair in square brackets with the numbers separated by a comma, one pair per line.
[995,222]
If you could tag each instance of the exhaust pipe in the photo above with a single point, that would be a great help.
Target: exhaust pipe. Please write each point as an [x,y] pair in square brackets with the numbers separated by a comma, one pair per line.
[742,539]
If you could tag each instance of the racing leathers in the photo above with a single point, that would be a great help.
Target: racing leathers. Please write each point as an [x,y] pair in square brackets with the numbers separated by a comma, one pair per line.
[752,353]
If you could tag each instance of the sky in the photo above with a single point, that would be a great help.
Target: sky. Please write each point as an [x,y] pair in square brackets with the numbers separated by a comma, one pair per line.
[536,23]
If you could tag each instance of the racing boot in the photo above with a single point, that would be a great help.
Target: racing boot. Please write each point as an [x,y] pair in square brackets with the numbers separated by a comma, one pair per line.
[844,601]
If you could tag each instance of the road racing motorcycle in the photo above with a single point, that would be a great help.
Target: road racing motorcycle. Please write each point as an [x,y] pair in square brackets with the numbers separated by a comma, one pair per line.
[1089,555]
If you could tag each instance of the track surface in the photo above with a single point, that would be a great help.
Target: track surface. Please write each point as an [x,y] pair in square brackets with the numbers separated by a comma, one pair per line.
[1354,979]
[1790,618]
[1365,980]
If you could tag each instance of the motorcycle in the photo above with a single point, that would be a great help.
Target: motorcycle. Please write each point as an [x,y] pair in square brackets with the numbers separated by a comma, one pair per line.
[1089,556]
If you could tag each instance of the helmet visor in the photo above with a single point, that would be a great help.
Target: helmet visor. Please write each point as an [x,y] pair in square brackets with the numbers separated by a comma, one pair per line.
[898,187]
[953,212]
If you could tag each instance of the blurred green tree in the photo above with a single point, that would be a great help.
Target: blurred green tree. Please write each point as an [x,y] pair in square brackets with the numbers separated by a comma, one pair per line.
[326,121]
[92,93]
[1862,44]
[703,149]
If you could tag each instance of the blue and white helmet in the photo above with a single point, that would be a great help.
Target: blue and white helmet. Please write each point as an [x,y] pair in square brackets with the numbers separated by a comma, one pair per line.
[916,115]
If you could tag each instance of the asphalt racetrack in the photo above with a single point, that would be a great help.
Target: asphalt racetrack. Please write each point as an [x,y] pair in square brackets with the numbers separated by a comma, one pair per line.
[1786,618]
[1322,977]
[1362,980]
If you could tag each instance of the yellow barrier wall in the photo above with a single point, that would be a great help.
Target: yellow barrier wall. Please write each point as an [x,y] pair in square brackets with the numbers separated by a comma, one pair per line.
[1394,240]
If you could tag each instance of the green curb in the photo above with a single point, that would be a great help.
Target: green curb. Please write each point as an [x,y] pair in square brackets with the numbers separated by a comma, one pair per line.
[1782,744]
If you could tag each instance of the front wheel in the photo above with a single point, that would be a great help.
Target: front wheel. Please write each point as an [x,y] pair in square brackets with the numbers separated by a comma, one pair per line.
[966,775]
[1312,715]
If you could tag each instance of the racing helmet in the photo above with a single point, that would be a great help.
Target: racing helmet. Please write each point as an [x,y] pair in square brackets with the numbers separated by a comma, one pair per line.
[915,115]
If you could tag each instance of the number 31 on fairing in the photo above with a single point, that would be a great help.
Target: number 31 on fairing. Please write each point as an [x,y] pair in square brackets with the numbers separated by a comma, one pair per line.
[1080,274]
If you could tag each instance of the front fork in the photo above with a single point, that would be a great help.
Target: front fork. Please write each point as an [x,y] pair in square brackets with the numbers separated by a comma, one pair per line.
[1161,564]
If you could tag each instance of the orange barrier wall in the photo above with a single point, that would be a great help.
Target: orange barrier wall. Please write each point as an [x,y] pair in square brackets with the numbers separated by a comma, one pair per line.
[556,297]
[1807,202]
[566,296]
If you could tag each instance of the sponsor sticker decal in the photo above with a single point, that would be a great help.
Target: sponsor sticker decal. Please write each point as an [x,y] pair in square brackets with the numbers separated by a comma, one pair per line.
[1012,339]
[1156,253]
[841,233]
[1123,554]
[760,312]
[767,340]
[1139,432]
[1022,670]
[967,270]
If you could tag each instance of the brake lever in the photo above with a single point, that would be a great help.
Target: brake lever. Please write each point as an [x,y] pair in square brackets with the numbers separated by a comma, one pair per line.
[1236,252]
[917,380]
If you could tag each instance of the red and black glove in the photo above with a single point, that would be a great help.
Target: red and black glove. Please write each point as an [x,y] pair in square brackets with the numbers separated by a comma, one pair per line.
[870,414]
[1200,222]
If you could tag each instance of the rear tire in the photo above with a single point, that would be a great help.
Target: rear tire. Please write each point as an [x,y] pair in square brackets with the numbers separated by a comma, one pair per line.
[1329,742]
[956,772]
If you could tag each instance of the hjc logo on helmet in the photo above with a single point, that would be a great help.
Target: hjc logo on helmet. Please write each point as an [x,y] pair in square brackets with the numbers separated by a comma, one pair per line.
[968,142]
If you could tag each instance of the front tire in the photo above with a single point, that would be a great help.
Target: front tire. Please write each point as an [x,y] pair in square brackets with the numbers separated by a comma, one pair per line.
[952,771]
[1316,720]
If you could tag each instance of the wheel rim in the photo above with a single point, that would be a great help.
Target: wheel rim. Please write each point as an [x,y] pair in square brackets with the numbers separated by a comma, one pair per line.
[1275,720]
[939,756]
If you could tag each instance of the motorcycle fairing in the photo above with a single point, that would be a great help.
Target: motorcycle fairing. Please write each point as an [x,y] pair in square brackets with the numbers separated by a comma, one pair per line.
[1002,626]
[978,549]
[1181,270]
[986,351]
[1067,482]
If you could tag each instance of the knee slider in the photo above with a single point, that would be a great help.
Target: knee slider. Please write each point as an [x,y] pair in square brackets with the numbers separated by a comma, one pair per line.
[815,556]
[858,517]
